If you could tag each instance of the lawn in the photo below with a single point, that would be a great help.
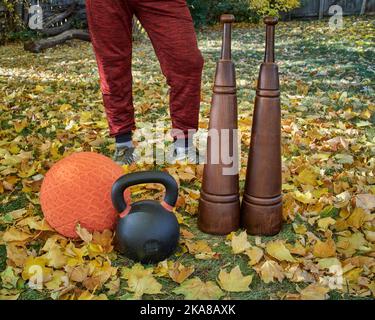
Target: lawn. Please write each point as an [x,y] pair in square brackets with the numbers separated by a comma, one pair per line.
[50,106]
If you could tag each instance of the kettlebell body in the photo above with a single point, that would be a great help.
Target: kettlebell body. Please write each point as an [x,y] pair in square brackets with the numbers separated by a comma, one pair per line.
[146,231]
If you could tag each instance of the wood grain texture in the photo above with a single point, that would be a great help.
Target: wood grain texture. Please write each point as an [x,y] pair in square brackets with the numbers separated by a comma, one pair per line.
[261,210]
[219,206]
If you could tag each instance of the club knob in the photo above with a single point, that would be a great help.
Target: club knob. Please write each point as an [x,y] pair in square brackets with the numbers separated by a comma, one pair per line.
[227,18]
[271,20]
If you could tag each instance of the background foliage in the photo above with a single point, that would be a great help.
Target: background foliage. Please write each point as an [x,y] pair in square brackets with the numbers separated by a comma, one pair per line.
[207,12]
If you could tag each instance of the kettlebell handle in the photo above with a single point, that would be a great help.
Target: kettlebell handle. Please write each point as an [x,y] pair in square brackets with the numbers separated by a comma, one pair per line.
[132,179]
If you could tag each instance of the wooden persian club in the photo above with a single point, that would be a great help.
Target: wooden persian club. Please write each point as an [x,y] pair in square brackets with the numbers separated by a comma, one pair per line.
[261,210]
[219,206]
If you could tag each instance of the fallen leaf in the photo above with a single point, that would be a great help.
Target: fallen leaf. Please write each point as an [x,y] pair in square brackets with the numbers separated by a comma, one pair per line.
[255,254]
[308,177]
[179,273]
[357,218]
[278,250]
[325,223]
[324,249]
[240,243]
[144,285]
[196,289]
[306,197]
[141,281]
[271,271]
[59,281]
[15,235]
[16,254]
[55,257]
[78,273]
[234,281]
[200,249]
[350,244]
[35,223]
[113,286]
[83,233]
[104,239]
[365,201]
[314,292]
[9,278]
[87,295]
[186,234]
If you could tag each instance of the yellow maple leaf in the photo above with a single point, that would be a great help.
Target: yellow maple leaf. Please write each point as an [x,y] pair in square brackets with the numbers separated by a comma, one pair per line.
[240,243]
[324,249]
[99,276]
[179,273]
[314,292]
[200,249]
[87,295]
[104,239]
[138,270]
[78,273]
[17,254]
[55,257]
[357,218]
[15,235]
[278,250]
[234,281]
[59,280]
[271,271]
[324,223]
[308,177]
[297,248]
[36,223]
[255,254]
[143,285]
[299,228]
[348,245]
[353,275]
[306,197]
[196,289]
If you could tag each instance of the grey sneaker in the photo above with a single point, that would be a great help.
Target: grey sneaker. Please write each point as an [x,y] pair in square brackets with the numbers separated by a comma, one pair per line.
[125,156]
[189,155]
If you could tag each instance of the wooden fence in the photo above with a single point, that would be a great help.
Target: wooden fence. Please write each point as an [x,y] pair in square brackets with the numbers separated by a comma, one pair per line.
[320,8]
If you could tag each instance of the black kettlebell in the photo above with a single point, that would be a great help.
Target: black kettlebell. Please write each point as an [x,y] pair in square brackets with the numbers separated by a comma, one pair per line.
[146,231]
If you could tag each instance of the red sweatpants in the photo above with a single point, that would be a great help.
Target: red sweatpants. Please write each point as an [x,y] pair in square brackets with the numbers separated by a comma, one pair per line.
[170,28]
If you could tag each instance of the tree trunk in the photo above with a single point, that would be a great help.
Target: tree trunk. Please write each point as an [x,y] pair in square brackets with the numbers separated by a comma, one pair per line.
[57,30]
[363,7]
[38,46]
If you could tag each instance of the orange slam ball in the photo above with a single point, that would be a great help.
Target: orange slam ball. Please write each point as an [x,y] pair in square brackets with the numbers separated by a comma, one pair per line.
[77,189]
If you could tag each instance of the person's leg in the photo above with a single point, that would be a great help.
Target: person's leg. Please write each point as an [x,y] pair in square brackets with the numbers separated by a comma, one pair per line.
[171,30]
[110,25]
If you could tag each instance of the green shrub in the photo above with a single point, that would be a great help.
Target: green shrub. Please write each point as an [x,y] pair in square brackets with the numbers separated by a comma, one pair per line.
[239,8]
[208,12]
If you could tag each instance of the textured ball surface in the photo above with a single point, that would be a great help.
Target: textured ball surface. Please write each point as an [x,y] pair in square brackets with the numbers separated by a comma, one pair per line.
[77,189]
